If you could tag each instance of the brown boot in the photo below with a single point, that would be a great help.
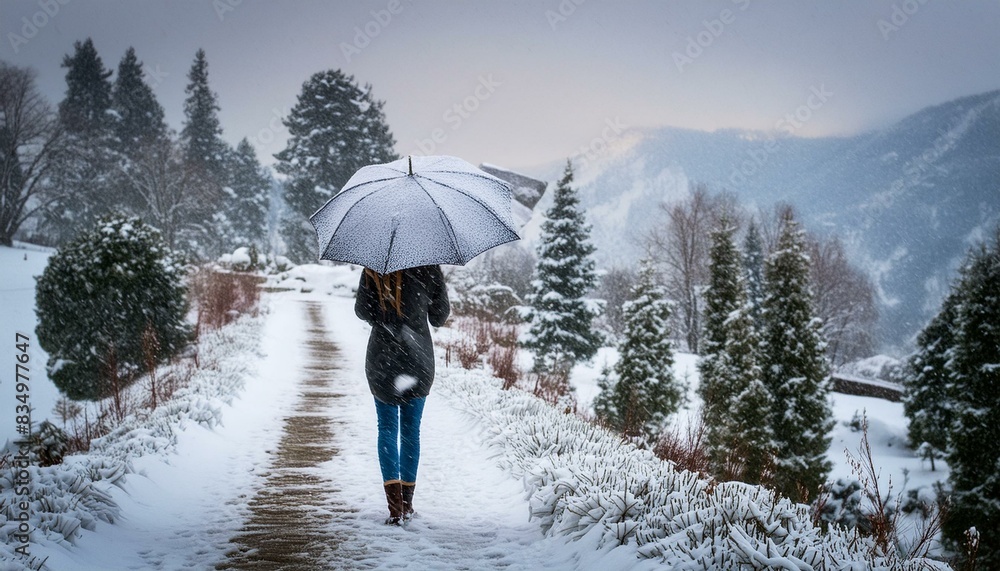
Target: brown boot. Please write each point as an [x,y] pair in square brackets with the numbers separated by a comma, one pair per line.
[408,499]
[394,498]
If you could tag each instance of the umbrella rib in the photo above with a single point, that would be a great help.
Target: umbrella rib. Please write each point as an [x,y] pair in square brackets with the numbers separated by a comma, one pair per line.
[464,193]
[359,185]
[343,219]
[451,230]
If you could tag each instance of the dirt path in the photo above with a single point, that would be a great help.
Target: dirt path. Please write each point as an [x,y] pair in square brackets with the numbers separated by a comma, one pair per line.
[289,522]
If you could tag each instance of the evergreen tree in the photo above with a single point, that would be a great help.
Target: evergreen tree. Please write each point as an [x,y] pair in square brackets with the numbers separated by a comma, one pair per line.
[334,129]
[794,368]
[929,381]
[139,115]
[84,110]
[84,162]
[202,133]
[560,333]
[248,193]
[974,452]
[644,392]
[753,263]
[206,157]
[97,297]
[736,403]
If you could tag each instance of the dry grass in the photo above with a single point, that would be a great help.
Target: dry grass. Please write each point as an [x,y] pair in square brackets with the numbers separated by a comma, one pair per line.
[221,297]
[686,449]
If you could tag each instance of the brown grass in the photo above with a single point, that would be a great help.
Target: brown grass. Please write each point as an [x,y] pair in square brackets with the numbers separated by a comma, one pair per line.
[685,449]
[221,297]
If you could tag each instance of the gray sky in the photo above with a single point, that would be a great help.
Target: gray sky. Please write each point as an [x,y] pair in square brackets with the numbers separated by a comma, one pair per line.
[520,83]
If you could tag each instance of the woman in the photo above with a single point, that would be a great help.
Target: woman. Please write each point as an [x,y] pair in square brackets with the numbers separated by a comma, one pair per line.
[400,369]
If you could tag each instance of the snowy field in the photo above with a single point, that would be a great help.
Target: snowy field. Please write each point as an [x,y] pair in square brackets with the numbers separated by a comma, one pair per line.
[20,266]
[478,505]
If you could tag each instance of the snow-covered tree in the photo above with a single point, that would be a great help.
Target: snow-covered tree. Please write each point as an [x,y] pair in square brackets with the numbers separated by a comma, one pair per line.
[794,368]
[736,412]
[202,133]
[560,332]
[929,401]
[85,161]
[248,194]
[644,391]
[139,116]
[97,296]
[29,138]
[206,158]
[334,129]
[974,452]
[753,264]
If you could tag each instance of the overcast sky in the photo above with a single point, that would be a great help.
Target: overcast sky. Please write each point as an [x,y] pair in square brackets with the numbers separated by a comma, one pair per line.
[520,83]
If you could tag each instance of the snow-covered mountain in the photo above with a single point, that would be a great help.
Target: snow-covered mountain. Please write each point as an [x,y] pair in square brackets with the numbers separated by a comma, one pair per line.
[908,200]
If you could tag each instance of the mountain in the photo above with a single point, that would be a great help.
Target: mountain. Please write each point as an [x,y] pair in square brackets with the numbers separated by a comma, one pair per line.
[908,200]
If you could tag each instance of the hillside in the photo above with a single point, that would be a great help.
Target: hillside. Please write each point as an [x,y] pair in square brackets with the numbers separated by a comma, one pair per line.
[908,200]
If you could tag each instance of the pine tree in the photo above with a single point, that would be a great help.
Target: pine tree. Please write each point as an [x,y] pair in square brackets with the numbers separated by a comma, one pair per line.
[206,157]
[84,110]
[644,392]
[974,452]
[753,263]
[202,132]
[247,204]
[560,332]
[334,129]
[736,402]
[794,368]
[139,115]
[929,381]
[84,161]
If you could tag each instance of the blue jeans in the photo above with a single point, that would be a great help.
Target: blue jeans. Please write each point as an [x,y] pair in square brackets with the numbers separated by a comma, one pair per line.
[399,439]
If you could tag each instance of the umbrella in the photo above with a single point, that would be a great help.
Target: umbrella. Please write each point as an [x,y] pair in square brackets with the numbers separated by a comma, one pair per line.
[414,212]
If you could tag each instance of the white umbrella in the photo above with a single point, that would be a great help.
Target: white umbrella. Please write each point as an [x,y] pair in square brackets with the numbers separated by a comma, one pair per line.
[414,212]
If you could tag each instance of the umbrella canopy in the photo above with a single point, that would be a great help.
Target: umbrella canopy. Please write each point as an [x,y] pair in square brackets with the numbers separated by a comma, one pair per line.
[414,212]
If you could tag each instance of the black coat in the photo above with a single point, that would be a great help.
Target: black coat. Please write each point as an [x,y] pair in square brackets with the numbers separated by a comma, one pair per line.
[400,360]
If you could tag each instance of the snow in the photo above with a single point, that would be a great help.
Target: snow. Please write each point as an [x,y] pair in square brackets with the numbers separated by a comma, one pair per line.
[483,498]
[17,314]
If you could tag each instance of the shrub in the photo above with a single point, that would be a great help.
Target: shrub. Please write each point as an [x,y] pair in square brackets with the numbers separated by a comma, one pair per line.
[95,299]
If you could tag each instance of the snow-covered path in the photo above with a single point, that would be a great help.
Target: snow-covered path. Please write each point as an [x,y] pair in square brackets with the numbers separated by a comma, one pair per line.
[470,515]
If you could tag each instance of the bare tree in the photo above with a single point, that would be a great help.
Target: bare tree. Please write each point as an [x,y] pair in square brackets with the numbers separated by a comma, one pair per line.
[681,247]
[165,189]
[29,137]
[615,289]
[845,301]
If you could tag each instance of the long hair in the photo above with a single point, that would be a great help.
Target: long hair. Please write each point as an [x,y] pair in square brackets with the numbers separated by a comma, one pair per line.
[389,288]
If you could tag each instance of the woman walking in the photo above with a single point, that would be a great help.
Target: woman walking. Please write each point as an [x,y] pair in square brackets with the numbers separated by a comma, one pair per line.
[399,366]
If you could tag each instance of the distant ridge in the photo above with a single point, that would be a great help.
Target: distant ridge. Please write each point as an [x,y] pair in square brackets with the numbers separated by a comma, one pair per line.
[908,199]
